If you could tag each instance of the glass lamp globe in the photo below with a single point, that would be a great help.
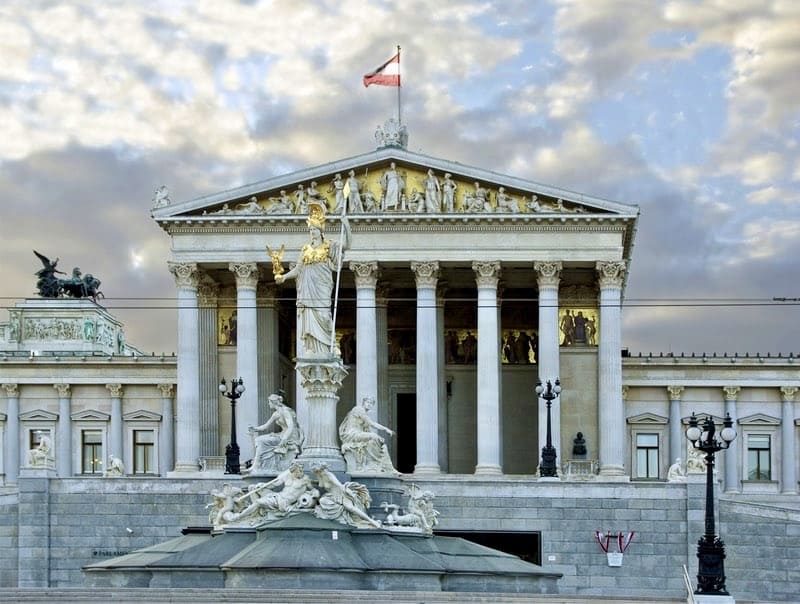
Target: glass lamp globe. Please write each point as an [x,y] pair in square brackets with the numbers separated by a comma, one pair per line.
[693,433]
[222,387]
[728,434]
[539,388]
[240,388]
[557,388]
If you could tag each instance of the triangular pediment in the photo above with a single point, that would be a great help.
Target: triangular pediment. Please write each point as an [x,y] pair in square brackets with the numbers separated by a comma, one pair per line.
[476,192]
[759,419]
[90,414]
[647,418]
[38,415]
[142,415]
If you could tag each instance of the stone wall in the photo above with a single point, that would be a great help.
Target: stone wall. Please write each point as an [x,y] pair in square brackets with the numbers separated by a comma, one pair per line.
[80,521]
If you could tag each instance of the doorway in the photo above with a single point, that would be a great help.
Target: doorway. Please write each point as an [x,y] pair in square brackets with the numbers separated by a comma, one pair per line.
[406,415]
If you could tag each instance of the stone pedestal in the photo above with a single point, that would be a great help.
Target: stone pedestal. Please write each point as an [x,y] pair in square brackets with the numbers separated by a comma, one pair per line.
[321,380]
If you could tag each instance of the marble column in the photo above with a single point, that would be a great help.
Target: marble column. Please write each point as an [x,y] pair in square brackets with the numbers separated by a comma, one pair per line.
[426,275]
[382,355]
[269,366]
[187,437]
[12,434]
[731,454]
[487,275]
[64,455]
[441,291]
[611,411]
[115,437]
[166,436]
[246,352]
[788,451]
[366,278]
[208,358]
[548,277]
[677,438]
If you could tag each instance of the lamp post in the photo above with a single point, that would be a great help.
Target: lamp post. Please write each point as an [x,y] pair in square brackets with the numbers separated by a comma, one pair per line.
[710,548]
[232,450]
[549,393]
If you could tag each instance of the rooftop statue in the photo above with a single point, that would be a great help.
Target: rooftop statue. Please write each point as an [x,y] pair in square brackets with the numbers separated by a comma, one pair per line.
[392,134]
[78,286]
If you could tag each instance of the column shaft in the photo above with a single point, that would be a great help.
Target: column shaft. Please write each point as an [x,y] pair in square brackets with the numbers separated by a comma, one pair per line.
[366,279]
[677,439]
[269,368]
[208,359]
[64,459]
[12,434]
[731,454]
[548,278]
[166,441]
[788,450]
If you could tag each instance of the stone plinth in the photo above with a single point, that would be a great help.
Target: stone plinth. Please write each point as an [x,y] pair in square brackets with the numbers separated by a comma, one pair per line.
[322,379]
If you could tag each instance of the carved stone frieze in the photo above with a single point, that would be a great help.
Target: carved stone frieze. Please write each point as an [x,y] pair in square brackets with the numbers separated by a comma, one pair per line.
[366,273]
[788,393]
[548,274]
[53,329]
[487,274]
[246,274]
[611,274]
[425,273]
[186,274]
[12,390]
[731,392]
[167,390]
[63,390]
[675,392]
[115,390]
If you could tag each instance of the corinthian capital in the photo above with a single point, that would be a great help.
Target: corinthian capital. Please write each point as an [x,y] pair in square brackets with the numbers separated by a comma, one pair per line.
[246,274]
[115,390]
[12,390]
[548,274]
[63,390]
[167,390]
[185,273]
[426,273]
[611,274]
[731,392]
[675,392]
[788,393]
[487,274]
[366,273]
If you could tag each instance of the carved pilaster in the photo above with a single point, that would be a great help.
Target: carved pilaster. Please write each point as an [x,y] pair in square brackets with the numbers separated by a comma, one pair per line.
[207,292]
[548,274]
[115,390]
[625,390]
[611,274]
[63,390]
[425,273]
[788,393]
[487,274]
[246,274]
[731,392]
[382,293]
[366,273]
[167,390]
[675,392]
[12,390]
[186,274]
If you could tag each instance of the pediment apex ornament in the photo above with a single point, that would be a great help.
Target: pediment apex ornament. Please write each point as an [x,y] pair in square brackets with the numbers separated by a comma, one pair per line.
[675,392]
[426,273]
[186,274]
[788,393]
[366,273]
[115,390]
[611,274]
[12,390]
[63,390]
[161,197]
[548,274]
[731,392]
[487,274]
[246,274]
[391,134]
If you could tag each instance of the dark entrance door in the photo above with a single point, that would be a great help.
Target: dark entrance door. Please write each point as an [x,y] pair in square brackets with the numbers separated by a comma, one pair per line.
[406,432]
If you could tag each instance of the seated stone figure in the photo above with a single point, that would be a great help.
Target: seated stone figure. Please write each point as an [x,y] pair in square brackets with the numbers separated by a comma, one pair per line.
[363,448]
[42,456]
[274,451]
[675,472]
[115,466]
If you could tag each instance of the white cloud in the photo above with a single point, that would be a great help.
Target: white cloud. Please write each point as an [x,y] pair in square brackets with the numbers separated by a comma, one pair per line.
[772,193]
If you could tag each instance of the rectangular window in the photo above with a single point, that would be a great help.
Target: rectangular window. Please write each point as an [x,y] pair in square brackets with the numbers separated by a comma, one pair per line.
[758,457]
[647,455]
[144,452]
[92,452]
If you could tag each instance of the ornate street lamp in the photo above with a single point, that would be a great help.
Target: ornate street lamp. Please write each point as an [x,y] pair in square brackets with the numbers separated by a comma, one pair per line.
[710,548]
[232,450]
[549,393]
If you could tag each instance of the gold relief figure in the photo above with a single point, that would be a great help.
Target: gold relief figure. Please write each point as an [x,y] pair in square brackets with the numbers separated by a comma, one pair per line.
[277,260]
[578,326]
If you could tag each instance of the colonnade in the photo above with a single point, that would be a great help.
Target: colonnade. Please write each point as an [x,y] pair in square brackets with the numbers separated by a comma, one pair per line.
[257,349]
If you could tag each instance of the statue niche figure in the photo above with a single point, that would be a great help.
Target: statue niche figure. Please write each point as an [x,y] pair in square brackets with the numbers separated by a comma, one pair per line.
[579,446]
[362,447]
[42,455]
[314,274]
[274,451]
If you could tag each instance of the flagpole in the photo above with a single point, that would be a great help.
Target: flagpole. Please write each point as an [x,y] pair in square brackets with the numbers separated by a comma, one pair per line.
[399,86]
[338,278]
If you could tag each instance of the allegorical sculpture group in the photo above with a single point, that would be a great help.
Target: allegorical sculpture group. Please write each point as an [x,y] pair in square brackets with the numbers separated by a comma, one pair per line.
[77,286]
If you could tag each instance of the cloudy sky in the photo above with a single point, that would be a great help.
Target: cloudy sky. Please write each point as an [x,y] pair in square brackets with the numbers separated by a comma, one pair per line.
[687,108]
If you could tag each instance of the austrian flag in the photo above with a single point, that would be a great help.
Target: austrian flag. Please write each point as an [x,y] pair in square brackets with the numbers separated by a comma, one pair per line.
[387,74]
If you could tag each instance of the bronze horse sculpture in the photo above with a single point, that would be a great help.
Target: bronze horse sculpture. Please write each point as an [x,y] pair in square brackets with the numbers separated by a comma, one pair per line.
[79,286]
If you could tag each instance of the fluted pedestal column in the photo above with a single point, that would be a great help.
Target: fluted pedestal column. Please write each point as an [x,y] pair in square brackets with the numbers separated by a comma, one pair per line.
[731,454]
[269,369]
[788,467]
[426,274]
[322,379]
[207,299]
[187,437]
[487,274]
[246,352]
[115,438]
[166,436]
[677,439]
[12,434]
[611,412]
[366,278]
[548,277]
[64,456]
[382,355]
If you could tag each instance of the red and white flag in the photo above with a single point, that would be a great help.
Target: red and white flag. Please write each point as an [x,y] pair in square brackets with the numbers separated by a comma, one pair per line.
[387,74]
